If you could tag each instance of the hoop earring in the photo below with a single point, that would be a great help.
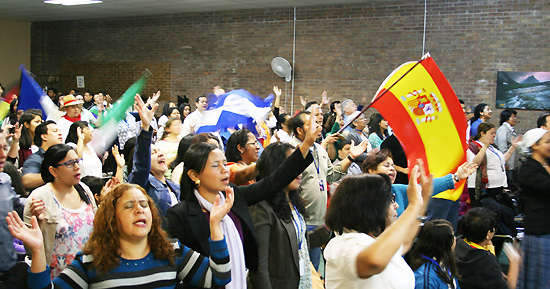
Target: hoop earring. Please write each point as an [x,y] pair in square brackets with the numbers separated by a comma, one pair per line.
[198,183]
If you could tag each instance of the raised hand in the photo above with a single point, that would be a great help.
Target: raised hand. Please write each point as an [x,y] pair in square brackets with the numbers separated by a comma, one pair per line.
[278,92]
[16,135]
[31,237]
[79,133]
[111,184]
[357,150]
[517,140]
[120,162]
[218,210]
[324,99]
[145,113]
[426,183]
[303,101]
[466,169]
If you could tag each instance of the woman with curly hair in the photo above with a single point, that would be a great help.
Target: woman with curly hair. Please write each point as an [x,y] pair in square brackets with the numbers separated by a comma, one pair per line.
[129,248]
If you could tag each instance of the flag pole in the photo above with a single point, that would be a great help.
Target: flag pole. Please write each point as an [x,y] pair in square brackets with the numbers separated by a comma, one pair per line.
[380,96]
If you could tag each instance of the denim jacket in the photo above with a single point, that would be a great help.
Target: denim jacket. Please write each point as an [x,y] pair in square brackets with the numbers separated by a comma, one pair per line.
[141,174]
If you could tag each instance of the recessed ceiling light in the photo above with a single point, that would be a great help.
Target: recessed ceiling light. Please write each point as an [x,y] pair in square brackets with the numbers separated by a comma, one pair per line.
[72,2]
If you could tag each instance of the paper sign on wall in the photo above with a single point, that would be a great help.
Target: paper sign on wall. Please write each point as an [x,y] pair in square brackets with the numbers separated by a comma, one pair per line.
[80,81]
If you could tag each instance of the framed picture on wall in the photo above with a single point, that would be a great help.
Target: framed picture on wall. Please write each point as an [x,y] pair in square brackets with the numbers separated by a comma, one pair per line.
[523,90]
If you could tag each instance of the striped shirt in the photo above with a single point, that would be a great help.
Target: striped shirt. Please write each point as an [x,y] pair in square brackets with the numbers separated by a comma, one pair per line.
[147,272]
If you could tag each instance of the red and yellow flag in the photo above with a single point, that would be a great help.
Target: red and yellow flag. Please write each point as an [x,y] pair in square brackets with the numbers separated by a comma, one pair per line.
[425,115]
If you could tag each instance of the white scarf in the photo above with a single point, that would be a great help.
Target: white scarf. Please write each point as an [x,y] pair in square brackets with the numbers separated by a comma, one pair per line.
[234,245]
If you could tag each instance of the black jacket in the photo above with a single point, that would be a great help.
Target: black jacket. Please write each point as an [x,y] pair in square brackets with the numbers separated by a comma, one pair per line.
[188,223]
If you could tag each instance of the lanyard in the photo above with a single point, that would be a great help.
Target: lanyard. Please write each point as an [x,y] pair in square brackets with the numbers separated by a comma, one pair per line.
[317,164]
[492,149]
[435,263]
[298,226]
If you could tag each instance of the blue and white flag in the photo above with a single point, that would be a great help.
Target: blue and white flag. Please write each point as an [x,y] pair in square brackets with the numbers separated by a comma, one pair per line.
[31,95]
[234,108]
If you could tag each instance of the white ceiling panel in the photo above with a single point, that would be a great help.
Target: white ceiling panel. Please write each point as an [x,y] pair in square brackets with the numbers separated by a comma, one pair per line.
[36,10]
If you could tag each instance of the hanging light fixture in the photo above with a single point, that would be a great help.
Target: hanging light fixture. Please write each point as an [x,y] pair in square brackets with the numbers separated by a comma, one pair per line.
[72,2]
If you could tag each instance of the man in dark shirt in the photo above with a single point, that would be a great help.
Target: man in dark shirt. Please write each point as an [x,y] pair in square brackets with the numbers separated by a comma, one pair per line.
[46,135]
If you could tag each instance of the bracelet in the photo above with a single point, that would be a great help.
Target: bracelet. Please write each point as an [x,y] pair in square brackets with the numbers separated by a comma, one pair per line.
[350,158]
[422,219]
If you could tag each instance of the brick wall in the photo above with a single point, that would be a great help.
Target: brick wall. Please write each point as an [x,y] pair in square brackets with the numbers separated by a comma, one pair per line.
[347,50]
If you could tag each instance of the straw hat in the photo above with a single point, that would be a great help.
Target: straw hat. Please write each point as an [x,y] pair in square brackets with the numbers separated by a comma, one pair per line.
[69,100]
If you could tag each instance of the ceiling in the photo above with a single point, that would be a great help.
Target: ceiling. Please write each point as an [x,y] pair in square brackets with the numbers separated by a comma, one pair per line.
[36,10]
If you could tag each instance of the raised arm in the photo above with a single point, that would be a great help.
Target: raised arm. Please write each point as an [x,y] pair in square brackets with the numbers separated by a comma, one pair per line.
[142,151]
[373,259]
[293,166]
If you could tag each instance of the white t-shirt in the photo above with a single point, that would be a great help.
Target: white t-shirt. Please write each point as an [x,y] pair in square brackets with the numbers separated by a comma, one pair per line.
[191,123]
[496,172]
[341,267]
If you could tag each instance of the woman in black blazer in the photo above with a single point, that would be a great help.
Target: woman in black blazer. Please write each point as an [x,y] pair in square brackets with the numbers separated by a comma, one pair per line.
[281,229]
[206,176]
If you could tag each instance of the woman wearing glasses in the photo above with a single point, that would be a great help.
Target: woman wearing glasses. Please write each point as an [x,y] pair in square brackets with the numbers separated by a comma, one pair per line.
[64,207]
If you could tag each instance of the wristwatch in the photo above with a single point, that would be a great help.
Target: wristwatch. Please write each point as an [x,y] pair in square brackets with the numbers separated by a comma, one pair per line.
[456,178]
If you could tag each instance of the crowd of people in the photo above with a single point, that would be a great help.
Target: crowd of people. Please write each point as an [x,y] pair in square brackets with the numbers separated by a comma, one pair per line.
[290,202]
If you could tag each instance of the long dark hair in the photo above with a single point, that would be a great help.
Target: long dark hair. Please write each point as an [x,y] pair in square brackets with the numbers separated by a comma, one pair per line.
[273,156]
[239,137]
[435,240]
[72,136]
[375,126]
[25,142]
[52,157]
[194,159]
[360,203]
[477,111]
[13,111]
[182,108]
[167,109]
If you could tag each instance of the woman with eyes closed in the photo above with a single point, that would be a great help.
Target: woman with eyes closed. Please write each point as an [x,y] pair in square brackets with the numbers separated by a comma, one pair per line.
[206,176]
[129,249]
[381,162]
[64,207]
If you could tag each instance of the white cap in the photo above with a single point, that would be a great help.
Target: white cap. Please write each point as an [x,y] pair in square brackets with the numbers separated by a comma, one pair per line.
[532,136]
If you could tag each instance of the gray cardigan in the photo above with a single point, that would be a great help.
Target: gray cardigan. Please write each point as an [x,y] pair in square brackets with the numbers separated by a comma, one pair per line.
[278,249]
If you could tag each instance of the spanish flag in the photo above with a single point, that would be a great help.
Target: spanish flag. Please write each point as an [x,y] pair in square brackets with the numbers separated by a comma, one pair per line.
[424,113]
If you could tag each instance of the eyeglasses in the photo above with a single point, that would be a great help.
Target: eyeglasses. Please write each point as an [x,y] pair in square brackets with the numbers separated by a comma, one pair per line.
[69,164]
[392,198]
[252,143]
